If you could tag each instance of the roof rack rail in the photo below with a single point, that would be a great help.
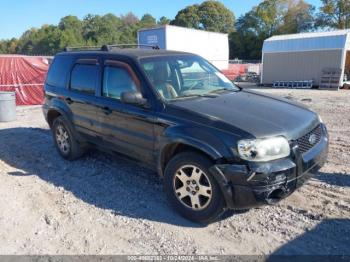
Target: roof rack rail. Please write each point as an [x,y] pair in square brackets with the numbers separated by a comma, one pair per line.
[106,48]
[78,48]
[155,47]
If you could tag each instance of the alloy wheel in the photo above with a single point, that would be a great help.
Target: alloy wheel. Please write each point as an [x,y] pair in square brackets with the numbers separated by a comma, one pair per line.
[192,187]
[62,139]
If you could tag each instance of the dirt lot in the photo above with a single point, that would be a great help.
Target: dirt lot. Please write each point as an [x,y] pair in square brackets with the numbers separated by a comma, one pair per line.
[105,204]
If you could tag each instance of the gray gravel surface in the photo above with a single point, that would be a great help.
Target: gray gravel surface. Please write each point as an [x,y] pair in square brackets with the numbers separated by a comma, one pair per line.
[106,204]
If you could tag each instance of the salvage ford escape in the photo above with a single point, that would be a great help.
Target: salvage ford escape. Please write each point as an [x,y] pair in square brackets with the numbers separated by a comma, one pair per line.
[216,145]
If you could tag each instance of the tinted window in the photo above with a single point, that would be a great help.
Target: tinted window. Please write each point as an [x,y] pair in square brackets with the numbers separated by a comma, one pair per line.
[84,78]
[59,70]
[117,80]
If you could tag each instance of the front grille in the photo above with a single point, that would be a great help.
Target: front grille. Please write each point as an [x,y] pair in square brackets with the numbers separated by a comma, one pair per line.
[304,142]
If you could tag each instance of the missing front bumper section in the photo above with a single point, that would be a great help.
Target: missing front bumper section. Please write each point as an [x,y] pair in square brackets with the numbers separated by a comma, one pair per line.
[243,188]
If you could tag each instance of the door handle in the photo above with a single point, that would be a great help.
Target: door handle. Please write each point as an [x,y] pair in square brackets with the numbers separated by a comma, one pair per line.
[69,100]
[106,110]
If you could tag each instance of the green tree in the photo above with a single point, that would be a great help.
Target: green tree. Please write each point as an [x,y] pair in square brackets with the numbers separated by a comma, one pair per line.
[163,21]
[298,17]
[27,41]
[269,18]
[188,17]
[101,29]
[334,14]
[70,23]
[110,29]
[129,19]
[253,28]
[9,46]
[3,49]
[129,35]
[72,31]
[147,21]
[49,40]
[130,25]
[210,15]
[12,46]
[43,41]
[214,16]
[91,25]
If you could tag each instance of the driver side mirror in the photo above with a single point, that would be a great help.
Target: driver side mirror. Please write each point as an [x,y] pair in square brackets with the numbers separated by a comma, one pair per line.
[133,98]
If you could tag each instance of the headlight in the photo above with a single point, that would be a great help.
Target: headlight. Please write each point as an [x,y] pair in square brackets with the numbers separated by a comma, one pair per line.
[261,150]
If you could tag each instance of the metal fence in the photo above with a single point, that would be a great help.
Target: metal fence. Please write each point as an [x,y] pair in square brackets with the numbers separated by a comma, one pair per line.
[240,70]
[239,61]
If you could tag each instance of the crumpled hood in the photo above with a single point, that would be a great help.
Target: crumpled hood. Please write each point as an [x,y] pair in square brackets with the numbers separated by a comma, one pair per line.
[255,113]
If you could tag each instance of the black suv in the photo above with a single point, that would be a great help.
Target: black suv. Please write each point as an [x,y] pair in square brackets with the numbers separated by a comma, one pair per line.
[216,146]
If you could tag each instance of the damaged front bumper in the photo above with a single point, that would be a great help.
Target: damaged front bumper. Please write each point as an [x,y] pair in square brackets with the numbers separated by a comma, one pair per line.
[256,184]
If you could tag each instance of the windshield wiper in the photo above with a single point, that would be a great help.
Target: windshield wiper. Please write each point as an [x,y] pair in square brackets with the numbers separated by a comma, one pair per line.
[223,90]
[195,95]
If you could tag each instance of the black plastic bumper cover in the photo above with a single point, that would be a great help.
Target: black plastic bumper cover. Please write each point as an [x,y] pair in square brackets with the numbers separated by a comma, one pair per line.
[256,184]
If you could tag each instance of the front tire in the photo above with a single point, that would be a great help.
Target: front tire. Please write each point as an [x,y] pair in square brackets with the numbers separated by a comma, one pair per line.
[65,142]
[191,188]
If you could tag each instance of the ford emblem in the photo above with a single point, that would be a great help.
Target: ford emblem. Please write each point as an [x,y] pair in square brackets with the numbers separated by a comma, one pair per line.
[313,139]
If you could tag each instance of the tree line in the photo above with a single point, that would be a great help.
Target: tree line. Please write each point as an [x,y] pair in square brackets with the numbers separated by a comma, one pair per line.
[246,33]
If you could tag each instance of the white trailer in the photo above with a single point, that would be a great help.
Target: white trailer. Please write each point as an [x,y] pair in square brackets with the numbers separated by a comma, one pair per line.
[212,46]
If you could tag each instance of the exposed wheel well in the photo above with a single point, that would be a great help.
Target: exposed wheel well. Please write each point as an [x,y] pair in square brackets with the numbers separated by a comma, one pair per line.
[171,150]
[51,116]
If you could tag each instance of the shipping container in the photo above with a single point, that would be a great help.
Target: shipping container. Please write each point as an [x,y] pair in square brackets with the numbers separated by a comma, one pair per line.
[212,46]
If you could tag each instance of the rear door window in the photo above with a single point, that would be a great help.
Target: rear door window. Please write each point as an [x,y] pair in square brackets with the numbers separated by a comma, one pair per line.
[84,78]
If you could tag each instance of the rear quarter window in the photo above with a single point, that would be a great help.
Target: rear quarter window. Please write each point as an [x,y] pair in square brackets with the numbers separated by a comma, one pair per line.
[59,70]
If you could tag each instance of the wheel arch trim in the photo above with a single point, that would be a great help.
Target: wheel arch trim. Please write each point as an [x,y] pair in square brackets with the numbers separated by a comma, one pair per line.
[170,147]
[63,113]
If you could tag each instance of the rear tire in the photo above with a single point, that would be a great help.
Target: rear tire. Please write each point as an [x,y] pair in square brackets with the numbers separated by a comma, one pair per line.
[66,144]
[192,189]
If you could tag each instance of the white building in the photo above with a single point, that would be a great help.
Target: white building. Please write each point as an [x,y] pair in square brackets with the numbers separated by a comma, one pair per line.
[307,56]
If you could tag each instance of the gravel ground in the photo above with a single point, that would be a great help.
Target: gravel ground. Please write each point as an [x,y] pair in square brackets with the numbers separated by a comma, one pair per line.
[104,204]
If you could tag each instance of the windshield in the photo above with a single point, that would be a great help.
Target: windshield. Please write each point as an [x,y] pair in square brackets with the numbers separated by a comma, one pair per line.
[178,77]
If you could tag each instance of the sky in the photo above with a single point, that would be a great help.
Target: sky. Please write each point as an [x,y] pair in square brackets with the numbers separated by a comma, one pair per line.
[19,15]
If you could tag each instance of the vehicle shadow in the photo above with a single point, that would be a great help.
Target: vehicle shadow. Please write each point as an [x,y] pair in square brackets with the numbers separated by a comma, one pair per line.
[335,179]
[329,238]
[110,182]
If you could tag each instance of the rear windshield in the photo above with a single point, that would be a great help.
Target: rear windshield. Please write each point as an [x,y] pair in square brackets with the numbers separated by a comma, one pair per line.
[59,70]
